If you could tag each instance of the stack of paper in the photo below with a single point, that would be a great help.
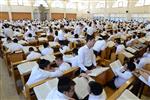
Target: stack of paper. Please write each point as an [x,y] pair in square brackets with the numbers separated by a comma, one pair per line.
[131,49]
[127,95]
[97,71]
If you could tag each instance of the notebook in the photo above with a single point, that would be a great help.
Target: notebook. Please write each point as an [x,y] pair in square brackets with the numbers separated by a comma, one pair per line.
[97,71]
[115,66]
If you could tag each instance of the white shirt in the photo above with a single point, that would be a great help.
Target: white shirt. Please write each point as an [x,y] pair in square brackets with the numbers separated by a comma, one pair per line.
[56,95]
[146,55]
[122,77]
[14,47]
[90,30]
[29,39]
[64,66]
[100,45]
[74,61]
[86,57]
[77,30]
[28,32]
[149,79]
[38,74]
[64,49]
[102,96]
[120,48]
[143,62]
[33,55]
[129,42]
[47,51]
[8,32]
[61,35]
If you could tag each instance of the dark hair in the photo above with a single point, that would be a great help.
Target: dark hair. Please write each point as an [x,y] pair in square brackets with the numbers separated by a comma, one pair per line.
[131,66]
[89,37]
[64,84]
[31,49]
[59,56]
[15,41]
[8,39]
[56,33]
[75,51]
[61,26]
[29,35]
[46,45]
[95,88]
[43,63]
[76,36]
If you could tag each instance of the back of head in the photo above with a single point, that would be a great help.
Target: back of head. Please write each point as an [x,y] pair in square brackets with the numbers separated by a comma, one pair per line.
[75,51]
[56,33]
[64,84]
[95,88]
[29,35]
[43,63]
[59,57]
[31,49]
[131,66]
[61,26]
[76,36]
[46,45]
[15,41]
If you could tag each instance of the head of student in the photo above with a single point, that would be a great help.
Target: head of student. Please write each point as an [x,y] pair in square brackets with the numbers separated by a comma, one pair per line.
[44,64]
[31,49]
[59,59]
[29,35]
[131,66]
[15,41]
[95,88]
[75,51]
[61,27]
[66,86]
[45,45]
[90,41]
[9,39]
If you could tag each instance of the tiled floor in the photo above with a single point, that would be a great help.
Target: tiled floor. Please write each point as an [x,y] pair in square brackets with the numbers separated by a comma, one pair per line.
[7,87]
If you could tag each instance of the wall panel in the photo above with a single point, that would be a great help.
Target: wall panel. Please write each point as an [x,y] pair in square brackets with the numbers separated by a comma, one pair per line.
[4,16]
[21,15]
[57,15]
[71,15]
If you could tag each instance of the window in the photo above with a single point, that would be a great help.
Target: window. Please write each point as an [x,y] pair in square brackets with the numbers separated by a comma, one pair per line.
[39,2]
[101,4]
[82,5]
[3,2]
[71,5]
[142,3]
[120,3]
[57,4]
[20,2]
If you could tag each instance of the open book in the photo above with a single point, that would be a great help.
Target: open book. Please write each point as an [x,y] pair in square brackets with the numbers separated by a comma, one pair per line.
[97,71]
[127,54]
[115,66]
[127,95]
[130,49]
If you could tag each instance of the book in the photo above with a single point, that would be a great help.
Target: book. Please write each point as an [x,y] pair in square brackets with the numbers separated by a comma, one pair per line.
[115,66]
[97,71]
[130,49]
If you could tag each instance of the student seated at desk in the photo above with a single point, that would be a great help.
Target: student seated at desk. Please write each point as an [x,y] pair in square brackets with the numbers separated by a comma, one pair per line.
[43,71]
[32,54]
[63,66]
[123,74]
[7,42]
[47,50]
[138,84]
[14,46]
[64,48]
[145,59]
[129,42]
[120,47]
[29,38]
[65,90]
[74,60]
[96,91]
[100,45]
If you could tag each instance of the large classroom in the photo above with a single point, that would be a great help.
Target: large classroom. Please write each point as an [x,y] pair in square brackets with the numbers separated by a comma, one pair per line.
[74,49]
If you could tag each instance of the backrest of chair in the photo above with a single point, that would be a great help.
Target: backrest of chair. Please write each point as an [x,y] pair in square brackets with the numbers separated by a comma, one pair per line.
[113,57]
[121,57]
[103,54]
[147,67]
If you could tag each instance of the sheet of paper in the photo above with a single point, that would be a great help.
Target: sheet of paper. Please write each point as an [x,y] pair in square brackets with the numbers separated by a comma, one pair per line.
[127,95]
[115,66]
[97,71]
